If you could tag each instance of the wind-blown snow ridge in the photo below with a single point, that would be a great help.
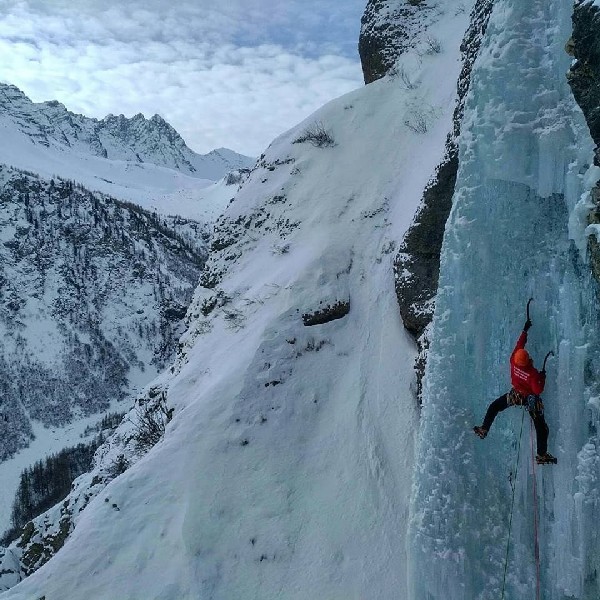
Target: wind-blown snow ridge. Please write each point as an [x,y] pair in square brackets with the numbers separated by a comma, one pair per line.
[286,468]
[513,232]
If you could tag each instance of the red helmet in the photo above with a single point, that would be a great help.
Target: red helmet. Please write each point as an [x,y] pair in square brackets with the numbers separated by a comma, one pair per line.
[521,357]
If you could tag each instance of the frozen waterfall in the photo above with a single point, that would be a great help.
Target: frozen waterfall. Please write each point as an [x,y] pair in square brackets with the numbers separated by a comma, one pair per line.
[513,233]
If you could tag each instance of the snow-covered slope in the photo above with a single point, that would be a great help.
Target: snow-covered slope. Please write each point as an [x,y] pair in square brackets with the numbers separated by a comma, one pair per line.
[131,159]
[203,203]
[286,468]
[92,293]
[516,230]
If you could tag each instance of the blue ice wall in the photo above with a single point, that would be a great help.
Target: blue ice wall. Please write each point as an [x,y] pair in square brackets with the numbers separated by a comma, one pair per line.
[512,234]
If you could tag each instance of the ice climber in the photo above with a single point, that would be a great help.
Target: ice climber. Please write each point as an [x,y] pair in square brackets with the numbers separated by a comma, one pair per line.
[527,385]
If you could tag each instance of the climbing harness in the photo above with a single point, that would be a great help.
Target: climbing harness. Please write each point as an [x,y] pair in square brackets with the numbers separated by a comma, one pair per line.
[512,506]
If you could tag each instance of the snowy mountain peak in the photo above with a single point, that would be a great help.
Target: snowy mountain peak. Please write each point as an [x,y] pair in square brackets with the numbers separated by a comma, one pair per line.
[136,139]
[11,92]
[150,138]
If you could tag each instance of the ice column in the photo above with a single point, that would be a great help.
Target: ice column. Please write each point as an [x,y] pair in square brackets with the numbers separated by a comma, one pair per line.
[522,155]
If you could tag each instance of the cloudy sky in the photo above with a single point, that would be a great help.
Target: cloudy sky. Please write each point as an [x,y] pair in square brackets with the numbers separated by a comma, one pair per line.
[231,73]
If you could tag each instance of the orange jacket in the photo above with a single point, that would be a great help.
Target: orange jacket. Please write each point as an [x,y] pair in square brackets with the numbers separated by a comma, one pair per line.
[526,380]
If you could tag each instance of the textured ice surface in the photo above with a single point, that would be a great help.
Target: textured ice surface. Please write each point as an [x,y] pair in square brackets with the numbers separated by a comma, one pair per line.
[510,237]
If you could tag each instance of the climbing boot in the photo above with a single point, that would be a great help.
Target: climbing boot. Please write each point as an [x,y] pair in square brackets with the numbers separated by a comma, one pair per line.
[545,459]
[480,431]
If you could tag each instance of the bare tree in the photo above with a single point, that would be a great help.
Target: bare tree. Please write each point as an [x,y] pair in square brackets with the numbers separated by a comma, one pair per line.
[150,422]
[317,135]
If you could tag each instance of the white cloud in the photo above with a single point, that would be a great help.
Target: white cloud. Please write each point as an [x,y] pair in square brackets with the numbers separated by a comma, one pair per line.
[234,75]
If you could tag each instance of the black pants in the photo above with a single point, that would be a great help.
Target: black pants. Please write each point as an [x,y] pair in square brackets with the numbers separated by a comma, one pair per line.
[537,416]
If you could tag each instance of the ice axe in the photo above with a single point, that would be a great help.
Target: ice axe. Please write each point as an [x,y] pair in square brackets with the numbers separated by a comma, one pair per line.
[528,321]
[551,353]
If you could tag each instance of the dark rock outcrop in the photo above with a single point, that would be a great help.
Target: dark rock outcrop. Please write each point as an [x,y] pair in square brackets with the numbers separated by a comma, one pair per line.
[584,76]
[331,312]
[417,264]
[389,28]
[584,79]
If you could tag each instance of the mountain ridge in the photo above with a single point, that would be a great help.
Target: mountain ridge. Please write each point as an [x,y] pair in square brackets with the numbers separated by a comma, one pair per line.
[134,159]
[115,137]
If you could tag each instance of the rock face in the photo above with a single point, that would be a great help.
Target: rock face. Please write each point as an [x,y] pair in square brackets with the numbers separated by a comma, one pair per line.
[84,280]
[330,312]
[417,265]
[584,79]
[584,76]
[388,28]
[134,139]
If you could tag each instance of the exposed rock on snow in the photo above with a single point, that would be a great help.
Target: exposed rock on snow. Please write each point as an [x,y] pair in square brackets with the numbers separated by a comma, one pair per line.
[236,177]
[329,312]
[391,27]
[417,264]
[584,75]
[584,79]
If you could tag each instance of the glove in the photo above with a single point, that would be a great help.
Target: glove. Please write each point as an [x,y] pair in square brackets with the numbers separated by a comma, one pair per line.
[527,326]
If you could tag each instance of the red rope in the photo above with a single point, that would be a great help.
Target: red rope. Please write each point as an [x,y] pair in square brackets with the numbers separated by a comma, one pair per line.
[535,517]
